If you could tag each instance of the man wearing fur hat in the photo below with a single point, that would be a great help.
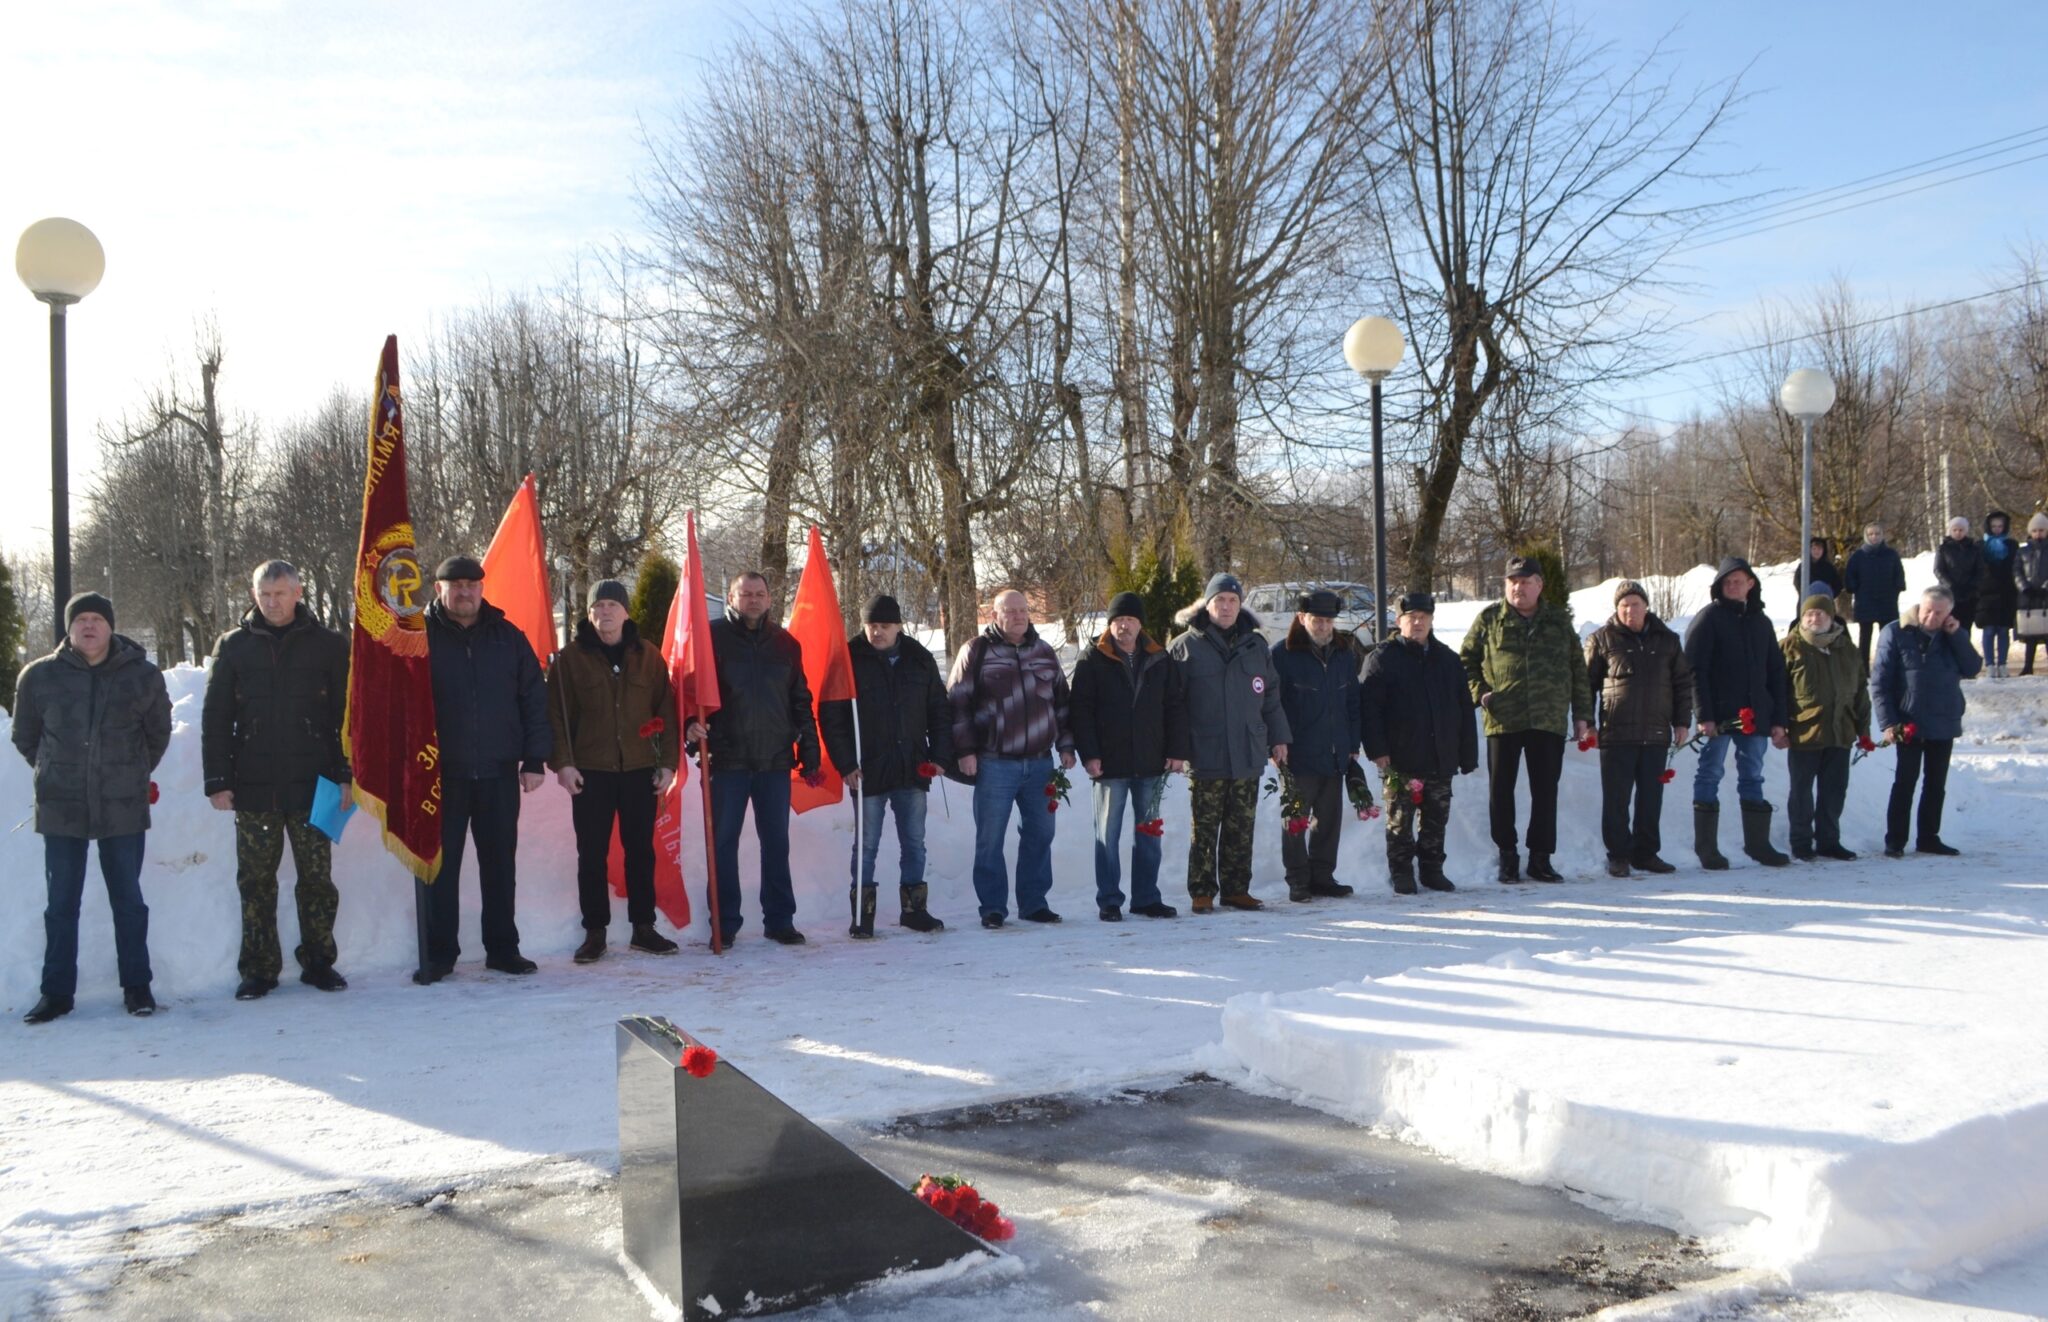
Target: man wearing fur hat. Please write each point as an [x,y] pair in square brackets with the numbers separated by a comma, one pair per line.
[1235,726]
[1640,678]
[1318,669]
[1830,691]
[615,752]
[1130,724]
[93,718]
[905,727]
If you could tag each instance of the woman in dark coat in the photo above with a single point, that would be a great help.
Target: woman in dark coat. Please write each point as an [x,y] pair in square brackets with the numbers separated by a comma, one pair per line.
[2030,573]
[1998,598]
[1959,567]
[1821,566]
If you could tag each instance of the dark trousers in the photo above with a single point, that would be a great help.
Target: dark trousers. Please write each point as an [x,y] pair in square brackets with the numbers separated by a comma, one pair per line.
[64,879]
[487,809]
[259,847]
[1865,631]
[1934,752]
[627,798]
[1631,771]
[2027,666]
[1311,857]
[768,792]
[1817,817]
[1544,752]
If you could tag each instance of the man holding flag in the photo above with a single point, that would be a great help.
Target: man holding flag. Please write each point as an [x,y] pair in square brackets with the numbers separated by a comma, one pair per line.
[763,729]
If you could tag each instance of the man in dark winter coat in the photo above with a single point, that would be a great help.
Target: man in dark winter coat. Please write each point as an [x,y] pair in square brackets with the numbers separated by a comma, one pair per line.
[1010,713]
[1416,722]
[270,729]
[762,730]
[1129,718]
[1998,598]
[1235,725]
[1643,684]
[615,752]
[1874,578]
[93,718]
[1917,682]
[1738,680]
[905,737]
[491,718]
[1525,668]
[1318,670]
[1959,567]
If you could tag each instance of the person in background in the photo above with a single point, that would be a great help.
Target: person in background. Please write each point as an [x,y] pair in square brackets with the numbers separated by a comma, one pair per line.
[1959,567]
[2030,574]
[1416,722]
[1830,692]
[1130,724]
[1921,663]
[93,718]
[1643,684]
[1821,570]
[1874,578]
[1998,598]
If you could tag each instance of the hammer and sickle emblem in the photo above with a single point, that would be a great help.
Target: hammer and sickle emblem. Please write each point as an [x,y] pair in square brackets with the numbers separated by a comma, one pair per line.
[399,581]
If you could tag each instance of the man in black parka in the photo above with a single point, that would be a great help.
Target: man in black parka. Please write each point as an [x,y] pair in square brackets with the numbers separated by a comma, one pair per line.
[491,717]
[1417,725]
[270,728]
[1737,668]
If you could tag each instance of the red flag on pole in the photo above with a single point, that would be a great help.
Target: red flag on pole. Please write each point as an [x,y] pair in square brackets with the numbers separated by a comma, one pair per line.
[815,622]
[516,572]
[693,683]
[388,730]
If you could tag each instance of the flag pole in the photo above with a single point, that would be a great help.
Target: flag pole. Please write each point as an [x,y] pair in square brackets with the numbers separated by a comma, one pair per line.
[853,891]
[710,841]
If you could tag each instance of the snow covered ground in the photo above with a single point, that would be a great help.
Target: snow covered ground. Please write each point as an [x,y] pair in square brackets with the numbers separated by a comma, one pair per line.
[111,1126]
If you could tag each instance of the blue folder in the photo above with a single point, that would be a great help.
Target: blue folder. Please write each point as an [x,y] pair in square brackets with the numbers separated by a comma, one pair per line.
[332,807]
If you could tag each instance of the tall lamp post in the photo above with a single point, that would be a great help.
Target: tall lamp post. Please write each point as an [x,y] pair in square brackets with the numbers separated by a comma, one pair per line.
[1373,347]
[1808,393]
[61,262]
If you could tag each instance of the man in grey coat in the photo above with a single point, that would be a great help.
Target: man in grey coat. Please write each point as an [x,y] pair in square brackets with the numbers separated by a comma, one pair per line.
[1235,725]
[93,718]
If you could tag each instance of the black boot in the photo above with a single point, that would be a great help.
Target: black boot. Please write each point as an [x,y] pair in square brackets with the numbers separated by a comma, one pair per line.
[1706,825]
[1540,869]
[1617,866]
[255,989]
[48,1008]
[1329,890]
[138,1001]
[1401,875]
[914,916]
[592,949]
[1510,866]
[323,977]
[1651,863]
[1756,835]
[862,901]
[650,942]
[1433,878]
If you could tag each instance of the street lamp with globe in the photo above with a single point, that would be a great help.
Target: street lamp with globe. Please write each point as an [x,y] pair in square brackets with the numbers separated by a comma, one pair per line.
[1373,348]
[61,262]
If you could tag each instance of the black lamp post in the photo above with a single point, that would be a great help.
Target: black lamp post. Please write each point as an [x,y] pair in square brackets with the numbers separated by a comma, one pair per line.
[61,262]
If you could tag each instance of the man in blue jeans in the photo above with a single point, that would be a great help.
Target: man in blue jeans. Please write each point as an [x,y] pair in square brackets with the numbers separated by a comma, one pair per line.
[1129,718]
[93,718]
[1009,700]
[761,731]
[1739,687]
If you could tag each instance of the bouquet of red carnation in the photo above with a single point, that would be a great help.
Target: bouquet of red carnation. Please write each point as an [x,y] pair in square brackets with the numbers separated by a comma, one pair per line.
[1359,790]
[959,1202]
[1747,719]
[1056,787]
[1414,789]
[1666,776]
[1154,828]
[930,770]
[1293,811]
[1591,741]
[1907,733]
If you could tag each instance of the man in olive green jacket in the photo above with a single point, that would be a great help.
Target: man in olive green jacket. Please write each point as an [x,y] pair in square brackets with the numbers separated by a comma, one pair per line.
[1525,669]
[1830,711]
[615,752]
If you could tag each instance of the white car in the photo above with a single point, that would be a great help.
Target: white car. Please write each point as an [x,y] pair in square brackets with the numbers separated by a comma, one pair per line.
[1274,604]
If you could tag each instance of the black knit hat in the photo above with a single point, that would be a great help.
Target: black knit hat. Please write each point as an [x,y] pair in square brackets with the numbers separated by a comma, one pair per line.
[608,589]
[882,610]
[1127,603]
[88,603]
[1222,582]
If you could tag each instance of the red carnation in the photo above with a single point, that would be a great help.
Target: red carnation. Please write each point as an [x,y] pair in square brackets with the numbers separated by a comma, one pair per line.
[1415,791]
[1910,732]
[699,1061]
[930,770]
[1748,718]
[1590,742]
[1052,791]
[1157,826]
[1052,805]
[968,1200]
[1866,743]
[652,728]
[1667,776]
[152,791]
[1297,825]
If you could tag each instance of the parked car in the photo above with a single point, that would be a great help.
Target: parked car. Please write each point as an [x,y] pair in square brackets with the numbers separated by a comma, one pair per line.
[1274,604]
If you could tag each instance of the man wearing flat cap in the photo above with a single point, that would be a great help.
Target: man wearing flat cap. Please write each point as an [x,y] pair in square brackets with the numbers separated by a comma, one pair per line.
[1129,718]
[905,729]
[491,718]
[1637,670]
[615,748]
[1318,671]
[1415,718]
[1525,670]
[93,718]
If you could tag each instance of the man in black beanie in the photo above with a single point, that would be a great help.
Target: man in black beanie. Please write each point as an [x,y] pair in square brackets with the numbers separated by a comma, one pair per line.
[904,736]
[1129,718]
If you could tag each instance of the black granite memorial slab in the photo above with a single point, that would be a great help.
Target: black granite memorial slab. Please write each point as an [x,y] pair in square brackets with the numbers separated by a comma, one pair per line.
[733,1203]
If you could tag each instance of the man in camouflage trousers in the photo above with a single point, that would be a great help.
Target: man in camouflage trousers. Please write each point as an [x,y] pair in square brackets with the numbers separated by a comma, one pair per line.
[270,728]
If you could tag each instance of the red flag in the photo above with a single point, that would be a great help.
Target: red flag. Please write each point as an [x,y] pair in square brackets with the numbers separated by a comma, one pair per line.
[516,572]
[815,622]
[693,683]
[388,731]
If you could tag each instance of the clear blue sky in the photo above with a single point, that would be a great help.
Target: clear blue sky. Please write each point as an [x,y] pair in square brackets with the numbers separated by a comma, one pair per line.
[320,175]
